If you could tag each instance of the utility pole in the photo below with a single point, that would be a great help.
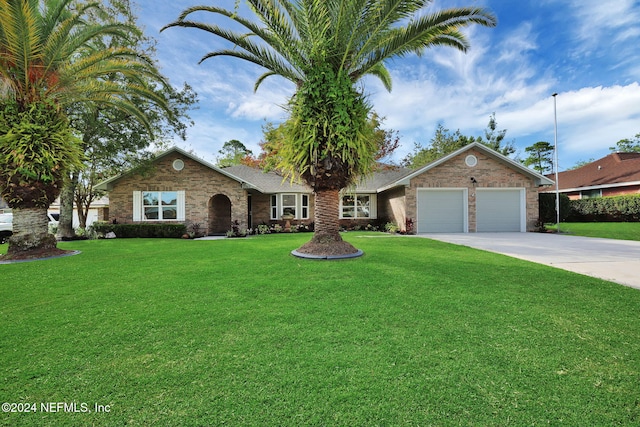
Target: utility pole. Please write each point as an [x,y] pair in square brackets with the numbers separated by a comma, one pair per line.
[555,138]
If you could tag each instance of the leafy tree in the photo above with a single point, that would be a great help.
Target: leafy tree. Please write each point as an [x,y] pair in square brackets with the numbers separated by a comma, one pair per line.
[386,141]
[324,48]
[232,153]
[540,156]
[47,64]
[442,143]
[627,145]
[494,139]
[111,140]
[445,142]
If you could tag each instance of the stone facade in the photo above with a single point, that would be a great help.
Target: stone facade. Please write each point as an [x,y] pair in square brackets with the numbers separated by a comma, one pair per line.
[200,184]
[215,198]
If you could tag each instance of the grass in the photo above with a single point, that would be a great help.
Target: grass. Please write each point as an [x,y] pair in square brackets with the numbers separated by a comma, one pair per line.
[239,332]
[607,230]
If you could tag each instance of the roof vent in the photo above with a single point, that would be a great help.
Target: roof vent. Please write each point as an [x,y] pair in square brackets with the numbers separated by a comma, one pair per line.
[599,167]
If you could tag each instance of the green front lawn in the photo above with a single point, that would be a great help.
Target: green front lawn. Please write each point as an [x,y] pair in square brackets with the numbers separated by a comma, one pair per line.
[239,332]
[607,230]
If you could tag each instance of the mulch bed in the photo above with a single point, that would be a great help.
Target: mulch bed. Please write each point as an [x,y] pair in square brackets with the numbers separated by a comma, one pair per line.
[36,255]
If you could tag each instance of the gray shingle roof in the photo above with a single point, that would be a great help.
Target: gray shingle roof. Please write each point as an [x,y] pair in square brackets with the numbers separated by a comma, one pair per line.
[266,182]
[271,182]
[381,178]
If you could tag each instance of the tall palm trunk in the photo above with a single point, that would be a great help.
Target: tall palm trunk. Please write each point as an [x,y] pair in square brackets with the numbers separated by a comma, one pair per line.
[326,237]
[30,231]
[327,224]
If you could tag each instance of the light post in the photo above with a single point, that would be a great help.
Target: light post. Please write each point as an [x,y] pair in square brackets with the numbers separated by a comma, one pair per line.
[555,139]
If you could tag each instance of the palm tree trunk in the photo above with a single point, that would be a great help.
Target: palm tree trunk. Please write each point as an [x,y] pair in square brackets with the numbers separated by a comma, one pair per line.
[327,217]
[327,240]
[30,232]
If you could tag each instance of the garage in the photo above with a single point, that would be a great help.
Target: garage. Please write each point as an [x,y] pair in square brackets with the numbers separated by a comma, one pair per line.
[442,210]
[500,210]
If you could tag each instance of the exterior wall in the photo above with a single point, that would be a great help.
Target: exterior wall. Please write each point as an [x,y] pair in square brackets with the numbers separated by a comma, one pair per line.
[606,192]
[621,191]
[199,182]
[573,195]
[392,206]
[488,173]
[261,211]
[260,208]
[103,214]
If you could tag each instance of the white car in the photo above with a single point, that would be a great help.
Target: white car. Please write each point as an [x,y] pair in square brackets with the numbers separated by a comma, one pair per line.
[6,225]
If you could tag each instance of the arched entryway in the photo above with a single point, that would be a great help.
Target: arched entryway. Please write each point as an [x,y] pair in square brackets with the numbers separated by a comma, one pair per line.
[219,214]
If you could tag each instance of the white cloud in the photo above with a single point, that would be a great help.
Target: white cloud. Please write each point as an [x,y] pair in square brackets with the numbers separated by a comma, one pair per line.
[511,70]
[597,17]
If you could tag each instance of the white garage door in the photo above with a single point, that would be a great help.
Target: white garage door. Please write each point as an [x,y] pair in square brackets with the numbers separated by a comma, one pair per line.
[499,210]
[442,211]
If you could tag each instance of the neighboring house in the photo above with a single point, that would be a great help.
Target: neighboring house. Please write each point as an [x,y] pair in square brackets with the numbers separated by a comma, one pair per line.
[98,211]
[613,175]
[472,189]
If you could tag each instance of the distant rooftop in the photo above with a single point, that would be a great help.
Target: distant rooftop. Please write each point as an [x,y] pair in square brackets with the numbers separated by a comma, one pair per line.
[616,168]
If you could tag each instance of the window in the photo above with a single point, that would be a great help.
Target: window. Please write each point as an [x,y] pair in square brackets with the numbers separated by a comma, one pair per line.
[274,206]
[290,204]
[358,206]
[590,194]
[158,206]
[471,160]
[178,164]
[305,206]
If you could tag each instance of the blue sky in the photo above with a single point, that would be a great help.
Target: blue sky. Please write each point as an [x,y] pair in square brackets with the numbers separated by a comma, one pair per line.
[587,51]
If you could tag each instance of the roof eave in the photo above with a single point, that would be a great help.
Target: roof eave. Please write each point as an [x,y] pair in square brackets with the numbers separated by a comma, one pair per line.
[107,185]
[600,187]
[539,179]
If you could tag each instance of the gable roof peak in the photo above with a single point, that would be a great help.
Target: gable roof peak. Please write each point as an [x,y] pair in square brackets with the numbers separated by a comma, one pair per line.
[540,179]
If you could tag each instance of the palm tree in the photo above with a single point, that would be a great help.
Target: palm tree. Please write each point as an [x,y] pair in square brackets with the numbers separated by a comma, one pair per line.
[47,65]
[325,47]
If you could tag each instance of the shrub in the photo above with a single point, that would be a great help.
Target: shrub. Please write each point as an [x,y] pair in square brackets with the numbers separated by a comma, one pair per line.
[408,226]
[391,227]
[614,209]
[263,229]
[141,230]
[235,230]
[547,207]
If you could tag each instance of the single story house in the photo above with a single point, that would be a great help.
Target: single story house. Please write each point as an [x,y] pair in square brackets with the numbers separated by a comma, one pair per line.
[473,189]
[613,175]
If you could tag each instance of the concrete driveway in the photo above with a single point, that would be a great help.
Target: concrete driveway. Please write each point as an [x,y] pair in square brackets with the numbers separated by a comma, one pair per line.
[614,260]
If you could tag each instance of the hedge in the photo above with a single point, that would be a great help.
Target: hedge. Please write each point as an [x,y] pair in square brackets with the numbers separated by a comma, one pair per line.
[141,230]
[606,209]
[547,207]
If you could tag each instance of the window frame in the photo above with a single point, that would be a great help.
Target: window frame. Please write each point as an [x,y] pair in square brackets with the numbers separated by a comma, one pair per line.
[373,200]
[139,206]
[591,194]
[301,207]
